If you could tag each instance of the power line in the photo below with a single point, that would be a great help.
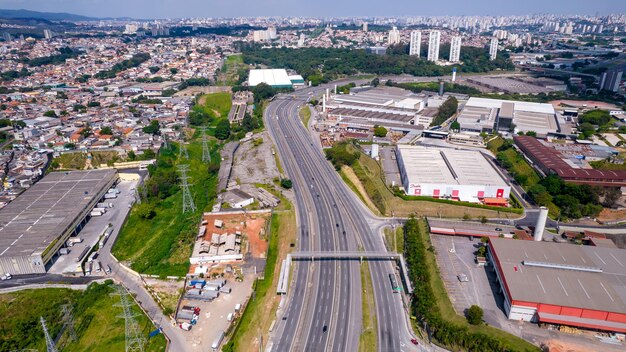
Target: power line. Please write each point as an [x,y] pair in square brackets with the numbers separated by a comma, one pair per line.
[188,204]
[50,346]
[134,340]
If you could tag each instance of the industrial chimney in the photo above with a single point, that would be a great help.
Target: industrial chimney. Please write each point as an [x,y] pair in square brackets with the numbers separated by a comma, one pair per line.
[454,74]
[441,84]
[541,223]
[324,103]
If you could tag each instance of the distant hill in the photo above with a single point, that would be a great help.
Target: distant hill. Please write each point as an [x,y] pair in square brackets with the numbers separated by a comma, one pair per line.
[50,16]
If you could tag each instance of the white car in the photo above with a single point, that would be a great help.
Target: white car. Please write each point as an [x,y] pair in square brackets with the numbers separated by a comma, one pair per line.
[6,276]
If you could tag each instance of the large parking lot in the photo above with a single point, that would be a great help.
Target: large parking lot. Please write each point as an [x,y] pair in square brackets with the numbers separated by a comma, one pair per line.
[480,288]
[213,315]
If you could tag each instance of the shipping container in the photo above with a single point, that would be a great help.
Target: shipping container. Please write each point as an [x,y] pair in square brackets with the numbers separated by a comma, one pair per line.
[230,316]
[184,315]
[64,251]
[102,210]
[75,240]
[225,289]
[195,281]
[95,213]
[193,291]
[110,196]
[211,287]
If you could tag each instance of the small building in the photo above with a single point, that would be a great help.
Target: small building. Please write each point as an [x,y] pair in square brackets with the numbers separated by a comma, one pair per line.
[238,198]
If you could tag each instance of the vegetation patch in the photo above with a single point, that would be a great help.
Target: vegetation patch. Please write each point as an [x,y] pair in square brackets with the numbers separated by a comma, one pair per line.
[431,305]
[96,320]
[368,338]
[158,237]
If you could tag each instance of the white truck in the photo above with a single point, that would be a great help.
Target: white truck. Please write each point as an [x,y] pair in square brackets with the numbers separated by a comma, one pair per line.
[6,276]
[110,195]
[95,213]
[218,341]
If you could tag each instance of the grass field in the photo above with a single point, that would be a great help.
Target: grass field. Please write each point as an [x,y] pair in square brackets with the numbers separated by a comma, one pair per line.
[445,307]
[368,338]
[261,309]
[232,69]
[305,115]
[216,104]
[394,239]
[369,175]
[97,325]
[162,245]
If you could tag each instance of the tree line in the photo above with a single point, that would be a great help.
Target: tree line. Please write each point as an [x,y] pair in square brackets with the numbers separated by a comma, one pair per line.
[134,61]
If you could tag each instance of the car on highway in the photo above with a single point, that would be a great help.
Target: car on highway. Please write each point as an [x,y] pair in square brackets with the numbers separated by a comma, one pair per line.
[325,328]
[498,229]
[414,341]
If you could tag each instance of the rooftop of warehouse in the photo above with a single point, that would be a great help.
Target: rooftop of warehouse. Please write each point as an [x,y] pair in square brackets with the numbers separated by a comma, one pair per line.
[39,215]
[518,105]
[272,77]
[570,275]
[447,166]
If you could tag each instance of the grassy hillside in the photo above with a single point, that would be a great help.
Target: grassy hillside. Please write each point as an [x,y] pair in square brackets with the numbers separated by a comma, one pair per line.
[96,320]
[160,243]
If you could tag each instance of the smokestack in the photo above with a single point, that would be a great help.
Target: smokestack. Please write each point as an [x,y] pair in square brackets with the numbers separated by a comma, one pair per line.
[324,103]
[541,224]
[454,74]
[327,93]
[335,89]
[441,83]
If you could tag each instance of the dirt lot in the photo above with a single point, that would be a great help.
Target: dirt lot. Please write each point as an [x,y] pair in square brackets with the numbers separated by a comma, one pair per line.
[168,291]
[251,225]
[191,91]
[589,104]
[254,162]
[612,215]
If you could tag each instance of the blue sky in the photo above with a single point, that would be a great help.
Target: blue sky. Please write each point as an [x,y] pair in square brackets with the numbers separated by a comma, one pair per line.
[317,8]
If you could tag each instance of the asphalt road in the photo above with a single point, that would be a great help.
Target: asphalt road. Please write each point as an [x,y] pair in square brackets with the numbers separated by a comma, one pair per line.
[323,312]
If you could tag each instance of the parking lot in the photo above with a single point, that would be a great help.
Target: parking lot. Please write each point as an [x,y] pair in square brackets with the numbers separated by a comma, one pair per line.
[390,166]
[90,234]
[480,288]
[213,315]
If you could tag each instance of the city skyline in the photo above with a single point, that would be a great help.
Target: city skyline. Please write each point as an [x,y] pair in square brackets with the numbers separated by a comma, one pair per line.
[145,9]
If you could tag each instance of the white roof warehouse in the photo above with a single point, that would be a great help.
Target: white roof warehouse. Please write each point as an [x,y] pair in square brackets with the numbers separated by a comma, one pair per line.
[463,175]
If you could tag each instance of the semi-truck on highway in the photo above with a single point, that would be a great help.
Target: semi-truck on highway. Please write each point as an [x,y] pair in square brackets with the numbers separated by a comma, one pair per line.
[394,283]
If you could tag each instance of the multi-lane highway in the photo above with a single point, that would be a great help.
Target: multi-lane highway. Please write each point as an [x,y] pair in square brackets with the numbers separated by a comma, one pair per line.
[323,310]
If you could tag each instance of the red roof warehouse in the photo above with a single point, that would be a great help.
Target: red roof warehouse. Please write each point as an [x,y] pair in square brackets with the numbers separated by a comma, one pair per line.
[564,284]
[550,161]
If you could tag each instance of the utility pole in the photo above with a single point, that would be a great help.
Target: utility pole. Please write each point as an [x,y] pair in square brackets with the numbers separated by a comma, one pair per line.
[134,340]
[188,204]
[206,154]
[50,346]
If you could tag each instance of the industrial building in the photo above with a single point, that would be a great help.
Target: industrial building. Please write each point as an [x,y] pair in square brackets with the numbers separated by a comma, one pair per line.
[37,223]
[563,284]
[487,115]
[394,108]
[277,78]
[463,175]
[550,161]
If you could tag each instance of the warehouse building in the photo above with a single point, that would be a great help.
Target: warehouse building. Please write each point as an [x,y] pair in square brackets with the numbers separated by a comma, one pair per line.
[277,78]
[550,161]
[563,284]
[487,115]
[463,175]
[37,223]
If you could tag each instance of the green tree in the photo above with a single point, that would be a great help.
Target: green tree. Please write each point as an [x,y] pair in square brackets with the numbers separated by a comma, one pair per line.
[380,131]
[154,69]
[455,126]
[69,146]
[475,315]
[586,129]
[446,110]
[375,82]
[131,155]
[531,133]
[173,70]
[153,128]
[222,130]
[106,130]
[286,183]
[50,113]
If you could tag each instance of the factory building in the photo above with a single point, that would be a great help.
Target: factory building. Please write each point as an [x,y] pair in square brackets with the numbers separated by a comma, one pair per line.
[551,161]
[35,225]
[277,78]
[394,108]
[487,115]
[463,175]
[562,284]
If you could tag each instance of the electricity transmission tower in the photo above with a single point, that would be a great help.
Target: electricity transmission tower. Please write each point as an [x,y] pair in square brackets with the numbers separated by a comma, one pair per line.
[68,321]
[206,155]
[134,340]
[50,346]
[188,204]
[182,150]
[165,144]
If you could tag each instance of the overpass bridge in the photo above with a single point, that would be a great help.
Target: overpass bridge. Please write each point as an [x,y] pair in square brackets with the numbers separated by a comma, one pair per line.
[283,280]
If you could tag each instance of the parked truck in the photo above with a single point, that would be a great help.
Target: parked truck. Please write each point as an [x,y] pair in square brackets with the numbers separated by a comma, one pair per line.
[104,205]
[82,254]
[218,341]
[110,196]
[74,240]
[95,213]
[102,210]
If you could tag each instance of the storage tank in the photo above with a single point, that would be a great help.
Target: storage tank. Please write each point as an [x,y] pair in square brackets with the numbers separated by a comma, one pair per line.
[541,224]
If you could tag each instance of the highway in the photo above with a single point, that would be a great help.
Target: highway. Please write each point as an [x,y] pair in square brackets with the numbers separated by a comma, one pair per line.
[323,310]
